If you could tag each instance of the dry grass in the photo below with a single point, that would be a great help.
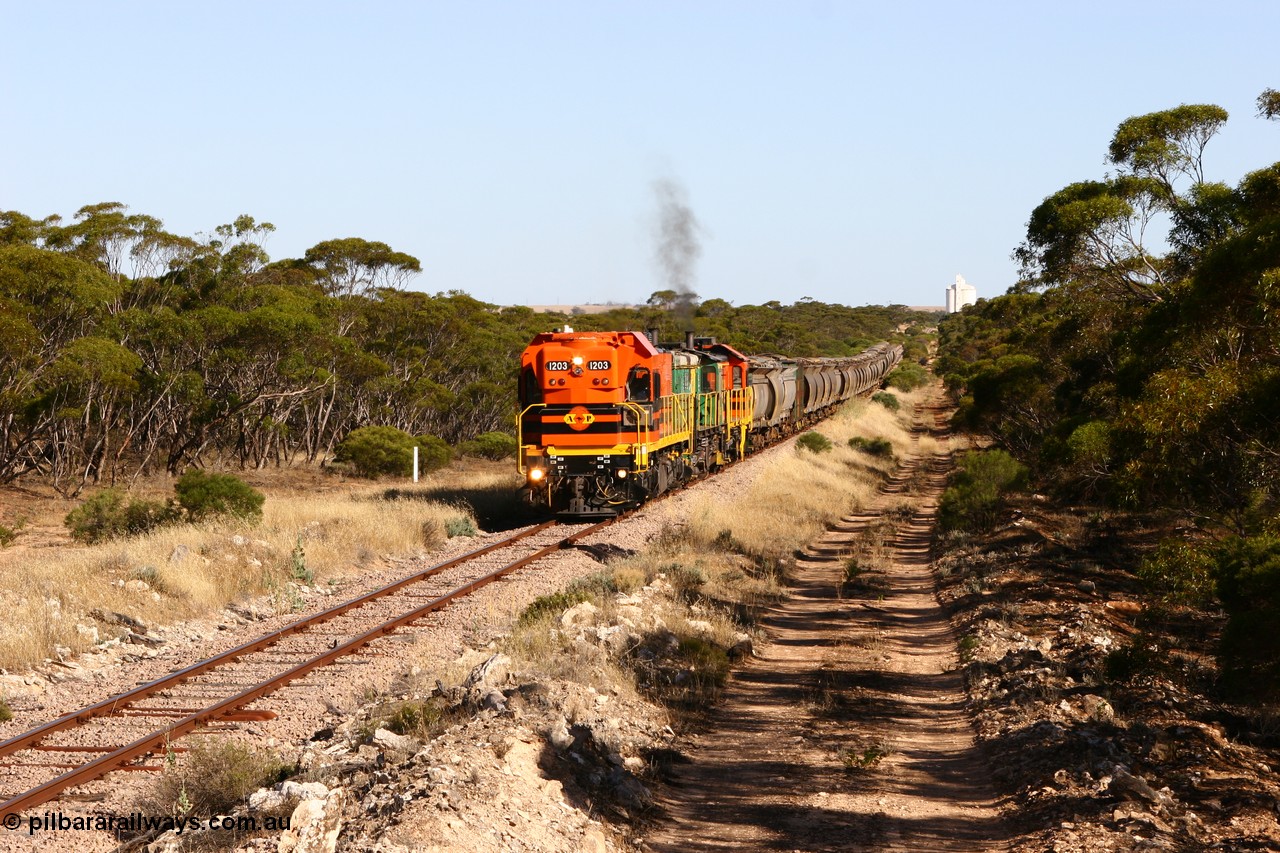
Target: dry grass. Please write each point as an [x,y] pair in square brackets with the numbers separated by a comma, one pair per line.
[307,535]
[799,496]
[215,777]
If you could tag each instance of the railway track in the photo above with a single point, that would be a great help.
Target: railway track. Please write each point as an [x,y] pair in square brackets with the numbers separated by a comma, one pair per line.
[121,732]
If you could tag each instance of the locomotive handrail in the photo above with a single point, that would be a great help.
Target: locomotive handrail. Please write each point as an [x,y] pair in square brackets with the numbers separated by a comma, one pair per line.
[520,433]
[644,421]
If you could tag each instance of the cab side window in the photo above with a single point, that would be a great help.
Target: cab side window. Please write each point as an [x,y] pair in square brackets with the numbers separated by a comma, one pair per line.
[638,390]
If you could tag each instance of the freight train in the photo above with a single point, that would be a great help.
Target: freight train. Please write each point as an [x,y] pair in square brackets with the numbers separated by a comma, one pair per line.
[610,419]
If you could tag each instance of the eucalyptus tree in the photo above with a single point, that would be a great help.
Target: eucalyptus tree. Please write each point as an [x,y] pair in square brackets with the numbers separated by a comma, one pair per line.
[1167,145]
[48,301]
[1095,234]
[17,227]
[1269,104]
[352,266]
[106,234]
[81,397]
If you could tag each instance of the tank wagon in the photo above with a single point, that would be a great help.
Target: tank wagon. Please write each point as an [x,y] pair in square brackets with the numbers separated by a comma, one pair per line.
[610,419]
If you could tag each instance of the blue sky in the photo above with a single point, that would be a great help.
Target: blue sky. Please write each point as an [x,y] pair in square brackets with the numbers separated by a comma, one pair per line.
[849,152]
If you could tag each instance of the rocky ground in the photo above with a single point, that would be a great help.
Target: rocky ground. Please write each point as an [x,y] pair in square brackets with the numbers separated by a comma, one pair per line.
[1094,704]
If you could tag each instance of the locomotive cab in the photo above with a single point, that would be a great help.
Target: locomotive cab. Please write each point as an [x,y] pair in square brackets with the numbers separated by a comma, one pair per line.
[593,409]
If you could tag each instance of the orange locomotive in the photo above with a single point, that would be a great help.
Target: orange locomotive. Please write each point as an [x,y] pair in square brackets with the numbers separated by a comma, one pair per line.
[609,419]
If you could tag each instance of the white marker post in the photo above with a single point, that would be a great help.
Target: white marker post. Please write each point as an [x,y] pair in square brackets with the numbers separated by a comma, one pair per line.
[415,463]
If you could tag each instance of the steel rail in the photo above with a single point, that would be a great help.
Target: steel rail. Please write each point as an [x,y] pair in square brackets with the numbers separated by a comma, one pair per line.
[144,691]
[226,709]
[161,738]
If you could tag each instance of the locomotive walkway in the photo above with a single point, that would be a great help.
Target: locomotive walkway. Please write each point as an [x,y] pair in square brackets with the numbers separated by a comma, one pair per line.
[848,731]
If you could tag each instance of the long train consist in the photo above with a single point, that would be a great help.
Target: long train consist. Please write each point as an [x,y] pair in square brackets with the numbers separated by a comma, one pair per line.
[609,419]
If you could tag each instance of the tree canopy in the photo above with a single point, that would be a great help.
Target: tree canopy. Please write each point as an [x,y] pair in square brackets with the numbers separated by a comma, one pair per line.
[125,348]
[1148,376]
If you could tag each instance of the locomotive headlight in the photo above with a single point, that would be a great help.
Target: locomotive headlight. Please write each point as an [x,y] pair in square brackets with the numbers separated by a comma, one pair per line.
[536,475]
[622,473]
[577,361]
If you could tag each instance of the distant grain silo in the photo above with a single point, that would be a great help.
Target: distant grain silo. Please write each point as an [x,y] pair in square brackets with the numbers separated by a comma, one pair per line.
[960,294]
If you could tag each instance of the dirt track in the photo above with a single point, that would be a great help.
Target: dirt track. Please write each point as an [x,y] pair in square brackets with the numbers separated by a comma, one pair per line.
[849,730]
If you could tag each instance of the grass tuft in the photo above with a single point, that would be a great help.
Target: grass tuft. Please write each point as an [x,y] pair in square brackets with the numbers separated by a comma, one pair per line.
[214,778]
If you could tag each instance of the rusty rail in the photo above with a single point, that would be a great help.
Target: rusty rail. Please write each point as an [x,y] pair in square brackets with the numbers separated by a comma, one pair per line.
[230,708]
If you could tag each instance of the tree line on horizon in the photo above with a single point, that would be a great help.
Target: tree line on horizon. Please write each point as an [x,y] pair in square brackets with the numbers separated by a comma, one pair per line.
[125,348]
[1137,362]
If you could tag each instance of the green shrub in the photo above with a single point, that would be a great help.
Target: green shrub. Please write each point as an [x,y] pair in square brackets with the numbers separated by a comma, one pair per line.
[889,401]
[596,585]
[551,606]
[1180,573]
[907,376]
[433,453]
[872,446]
[376,451]
[814,442]
[460,526]
[1141,657]
[1090,445]
[151,576]
[1249,587]
[490,445]
[866,757]
[708,666]
[8,534]
[421,718]
[208,495]
[686,581]
[109,515]
[972,500]
[6,713]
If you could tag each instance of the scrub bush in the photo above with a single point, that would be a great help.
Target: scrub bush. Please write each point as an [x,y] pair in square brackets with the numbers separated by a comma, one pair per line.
[381,451]
[872,446]
[1180,573]
[973,498]
[889,401]
[433,453]
[207,495]
[1249,587]
[490,445]
[215,778]
[109,515]
[907,376]
[376,451]
[814,442]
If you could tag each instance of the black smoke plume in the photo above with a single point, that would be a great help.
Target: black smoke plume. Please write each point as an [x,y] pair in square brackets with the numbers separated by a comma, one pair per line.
[678,248]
